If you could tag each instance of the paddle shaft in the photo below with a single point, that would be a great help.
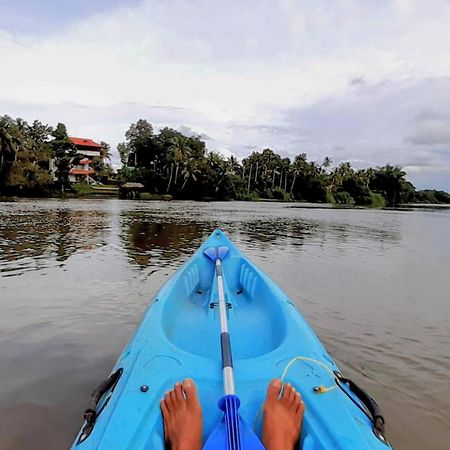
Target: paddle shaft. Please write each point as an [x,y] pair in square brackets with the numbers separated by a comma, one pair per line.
[225,343]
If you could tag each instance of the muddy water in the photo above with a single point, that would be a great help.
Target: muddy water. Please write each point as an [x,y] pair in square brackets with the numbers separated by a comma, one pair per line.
[76,276]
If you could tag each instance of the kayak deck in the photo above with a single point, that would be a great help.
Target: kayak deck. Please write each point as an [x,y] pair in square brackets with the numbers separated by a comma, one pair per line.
[178,339]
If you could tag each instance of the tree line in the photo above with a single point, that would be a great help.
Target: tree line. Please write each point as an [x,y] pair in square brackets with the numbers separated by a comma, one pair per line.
[36,159]
[169,162]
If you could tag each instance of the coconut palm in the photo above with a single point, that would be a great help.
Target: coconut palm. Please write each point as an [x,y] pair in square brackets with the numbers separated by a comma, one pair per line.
[189,171]
[180,151]
[298,168]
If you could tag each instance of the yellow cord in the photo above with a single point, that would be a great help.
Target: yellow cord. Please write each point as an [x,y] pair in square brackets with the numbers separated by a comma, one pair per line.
[318,390]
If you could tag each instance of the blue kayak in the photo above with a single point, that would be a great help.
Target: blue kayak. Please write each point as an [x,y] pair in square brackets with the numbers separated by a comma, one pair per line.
[178,339]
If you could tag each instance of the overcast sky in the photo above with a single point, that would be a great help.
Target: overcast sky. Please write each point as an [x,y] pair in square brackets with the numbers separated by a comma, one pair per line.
[363,81]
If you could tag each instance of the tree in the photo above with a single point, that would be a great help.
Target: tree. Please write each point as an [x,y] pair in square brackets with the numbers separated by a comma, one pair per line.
[24,156]
[8,144]
[189,171]
[140,149]
[106,150]
[390,182]
[64,153]
[180,152]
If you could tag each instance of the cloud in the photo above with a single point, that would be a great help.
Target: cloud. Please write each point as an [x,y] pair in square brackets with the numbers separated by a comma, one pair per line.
[431,129]
[358,81]
[348,81]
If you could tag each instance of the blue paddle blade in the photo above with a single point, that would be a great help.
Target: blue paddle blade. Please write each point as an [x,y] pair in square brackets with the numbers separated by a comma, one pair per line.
[216,252]
[232,433]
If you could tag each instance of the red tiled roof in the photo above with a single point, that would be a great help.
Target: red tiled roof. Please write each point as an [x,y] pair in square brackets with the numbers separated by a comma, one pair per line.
[84,142]
[84,162]
[81,171]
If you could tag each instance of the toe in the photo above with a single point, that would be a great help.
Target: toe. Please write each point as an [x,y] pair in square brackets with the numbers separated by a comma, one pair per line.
[299,405]
[273,390]
[292,396]
[168,401]
[173,398]
[190,389]
[164,408]
[287,390]
[178,392]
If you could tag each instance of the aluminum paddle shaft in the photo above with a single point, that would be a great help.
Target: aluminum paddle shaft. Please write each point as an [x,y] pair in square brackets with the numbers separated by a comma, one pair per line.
[231,433]
[225,342]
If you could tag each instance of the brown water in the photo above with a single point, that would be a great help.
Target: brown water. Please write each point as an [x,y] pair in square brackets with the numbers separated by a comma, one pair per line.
[77,275]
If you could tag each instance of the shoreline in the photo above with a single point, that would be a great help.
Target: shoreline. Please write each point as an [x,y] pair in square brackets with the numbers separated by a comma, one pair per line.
[148,197]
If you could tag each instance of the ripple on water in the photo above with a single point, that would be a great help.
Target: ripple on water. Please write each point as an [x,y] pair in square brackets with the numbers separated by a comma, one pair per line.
[358,276]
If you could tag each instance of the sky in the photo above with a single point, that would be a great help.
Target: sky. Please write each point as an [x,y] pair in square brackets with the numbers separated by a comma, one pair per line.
[363,81]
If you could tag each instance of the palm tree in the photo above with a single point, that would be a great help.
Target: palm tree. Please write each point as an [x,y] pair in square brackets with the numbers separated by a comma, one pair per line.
[189,171]
[326,162]
[298,168]
[234,165]
[106,150]
[180,153]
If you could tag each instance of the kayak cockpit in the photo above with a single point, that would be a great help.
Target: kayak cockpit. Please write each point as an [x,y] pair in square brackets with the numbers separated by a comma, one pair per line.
[190,319]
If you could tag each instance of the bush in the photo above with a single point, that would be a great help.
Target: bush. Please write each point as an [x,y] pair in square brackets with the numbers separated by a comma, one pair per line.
[344,198]
[253,196]
[378,201]
[280,194]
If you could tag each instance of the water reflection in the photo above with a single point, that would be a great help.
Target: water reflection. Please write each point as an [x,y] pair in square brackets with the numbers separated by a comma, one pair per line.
[149,242]
[373,284]
[32,240]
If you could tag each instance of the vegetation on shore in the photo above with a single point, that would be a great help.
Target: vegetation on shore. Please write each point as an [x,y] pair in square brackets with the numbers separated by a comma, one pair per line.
[169,163]
[35,159]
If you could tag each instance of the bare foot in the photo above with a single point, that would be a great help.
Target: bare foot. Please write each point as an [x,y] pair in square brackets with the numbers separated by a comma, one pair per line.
[282,417]
[182,416]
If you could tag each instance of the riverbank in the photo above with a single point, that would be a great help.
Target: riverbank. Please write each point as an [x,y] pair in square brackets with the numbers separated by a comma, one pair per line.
[84,191]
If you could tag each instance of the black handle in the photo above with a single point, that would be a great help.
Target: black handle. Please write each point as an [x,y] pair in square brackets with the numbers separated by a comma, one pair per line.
[91,414]
[369,402]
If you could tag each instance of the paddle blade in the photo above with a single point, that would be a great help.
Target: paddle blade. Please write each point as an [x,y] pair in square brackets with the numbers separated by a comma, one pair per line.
[232,433]
[216,252]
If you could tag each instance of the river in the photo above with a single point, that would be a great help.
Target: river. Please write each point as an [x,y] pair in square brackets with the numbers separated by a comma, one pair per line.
[76,276]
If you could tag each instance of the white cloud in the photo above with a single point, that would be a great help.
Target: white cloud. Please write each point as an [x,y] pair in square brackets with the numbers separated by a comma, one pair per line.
[234,70]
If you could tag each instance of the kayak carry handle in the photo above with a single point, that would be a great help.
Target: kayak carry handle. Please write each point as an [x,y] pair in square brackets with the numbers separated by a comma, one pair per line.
[90,414]
[369,402]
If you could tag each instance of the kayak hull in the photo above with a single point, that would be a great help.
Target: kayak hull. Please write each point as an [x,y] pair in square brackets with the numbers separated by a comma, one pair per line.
[179,338]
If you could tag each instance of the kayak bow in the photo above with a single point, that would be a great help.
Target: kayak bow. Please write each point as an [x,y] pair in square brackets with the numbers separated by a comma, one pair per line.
[178,339]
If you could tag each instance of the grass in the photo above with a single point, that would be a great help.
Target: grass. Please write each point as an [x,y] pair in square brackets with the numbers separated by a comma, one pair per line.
[150,196]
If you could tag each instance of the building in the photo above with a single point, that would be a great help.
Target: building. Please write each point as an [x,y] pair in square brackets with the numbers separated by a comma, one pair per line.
[87,149]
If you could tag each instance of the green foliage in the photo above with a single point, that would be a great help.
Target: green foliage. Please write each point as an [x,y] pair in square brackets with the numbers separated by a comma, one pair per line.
[344,198]
[169,163]
[64,153]
[357,190]
[103,172]
[378,201]
[24,157]
[149,196]
[432,196]
[390,182]
[83,189]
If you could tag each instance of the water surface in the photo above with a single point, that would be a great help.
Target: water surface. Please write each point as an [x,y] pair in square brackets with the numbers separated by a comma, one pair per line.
[76,276]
